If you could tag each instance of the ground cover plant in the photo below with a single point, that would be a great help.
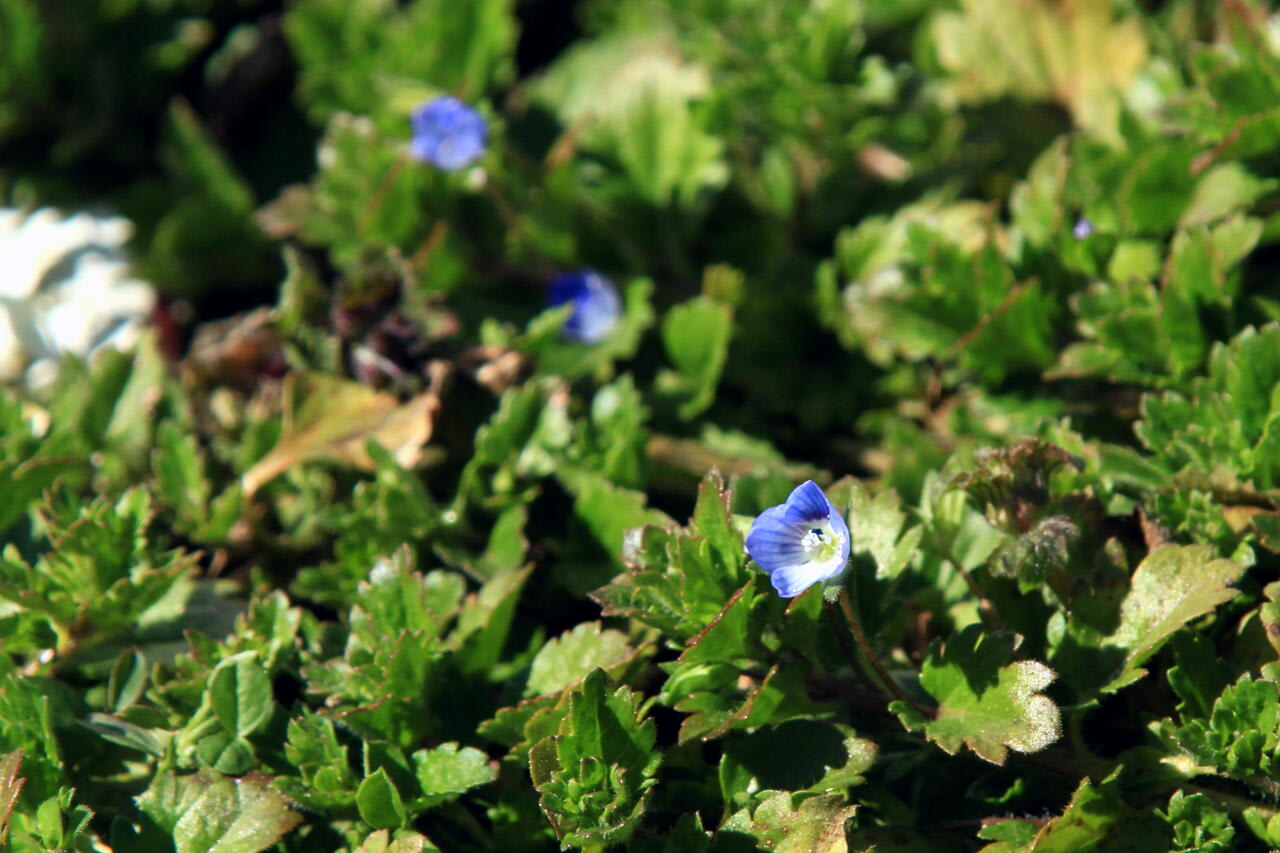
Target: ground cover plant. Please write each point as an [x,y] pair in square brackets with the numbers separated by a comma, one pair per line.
[651,425]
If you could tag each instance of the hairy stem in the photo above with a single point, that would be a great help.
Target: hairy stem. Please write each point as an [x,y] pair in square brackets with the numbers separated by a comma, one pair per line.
[855,626]
[858,669]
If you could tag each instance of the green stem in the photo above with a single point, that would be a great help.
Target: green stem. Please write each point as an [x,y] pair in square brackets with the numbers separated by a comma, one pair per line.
[858,669]
[855,626]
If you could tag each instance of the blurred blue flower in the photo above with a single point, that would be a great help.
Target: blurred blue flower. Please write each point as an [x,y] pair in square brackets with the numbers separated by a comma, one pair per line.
[447,133]
[800,542]
[1083,228]
[596,307]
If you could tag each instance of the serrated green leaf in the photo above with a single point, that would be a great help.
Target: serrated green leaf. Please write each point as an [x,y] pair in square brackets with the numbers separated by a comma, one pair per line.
[876,526]
[1172,586]
[596,774]
[798,755]
[1097,818]
[209,813]
[312,746]
[569,658]
[1228,418]
[986,701]
[1241,737]
[1199,676]
[785,823]
[447,771]
[1198,824]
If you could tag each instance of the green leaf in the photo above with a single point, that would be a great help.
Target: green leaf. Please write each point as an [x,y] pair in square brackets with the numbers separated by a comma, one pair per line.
[595,775]
[10,788]
[572,360]
[226,753]
[367,56]
[569,658]
[59,823]
[1241,737]
[686,836]
[1229,417]
[520,440]
[1097,818]
[1012,836]
[680,580]
[485,620]
[916,292]
[1198,824]
[403,842]
[1200,674]
[125,733]
[209,813]
[608,510]
[28,712]
[785,823]
[986,701]
[180,478]
[798,755]
[446,772]
[188,249]
[1264,823]
[876,526]
[1172,586]
[379,802]
[127,680]
[312,746]
[1080,56]
[696,336]
[240,693]
[1223,189]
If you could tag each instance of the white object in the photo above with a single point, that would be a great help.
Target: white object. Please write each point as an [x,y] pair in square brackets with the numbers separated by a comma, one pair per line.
[65,287]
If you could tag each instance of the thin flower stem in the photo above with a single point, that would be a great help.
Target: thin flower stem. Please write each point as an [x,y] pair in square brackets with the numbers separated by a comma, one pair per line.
[846,606]
[858,669]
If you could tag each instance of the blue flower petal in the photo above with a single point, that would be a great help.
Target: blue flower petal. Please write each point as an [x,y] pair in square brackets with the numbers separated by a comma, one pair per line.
[800,542]
[790,581]
[774,542]
[807,502]
[447,133]
[596,306]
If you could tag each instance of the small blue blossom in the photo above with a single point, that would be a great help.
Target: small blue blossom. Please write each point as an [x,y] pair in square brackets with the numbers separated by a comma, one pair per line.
[1083,228]
[800,542]
[447,133]
[596,307]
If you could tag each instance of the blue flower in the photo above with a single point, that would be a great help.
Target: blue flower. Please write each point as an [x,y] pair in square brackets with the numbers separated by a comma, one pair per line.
[1083,228]
[800,542]
[447,133]
[596,307]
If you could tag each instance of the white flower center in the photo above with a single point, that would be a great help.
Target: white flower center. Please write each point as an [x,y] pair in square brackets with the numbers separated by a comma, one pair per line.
[820,542]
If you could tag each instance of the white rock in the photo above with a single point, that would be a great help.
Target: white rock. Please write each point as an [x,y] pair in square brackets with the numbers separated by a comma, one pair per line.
[65,287]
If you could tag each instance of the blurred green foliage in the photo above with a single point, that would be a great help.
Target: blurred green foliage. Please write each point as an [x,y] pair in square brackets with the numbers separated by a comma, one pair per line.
[388,564]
